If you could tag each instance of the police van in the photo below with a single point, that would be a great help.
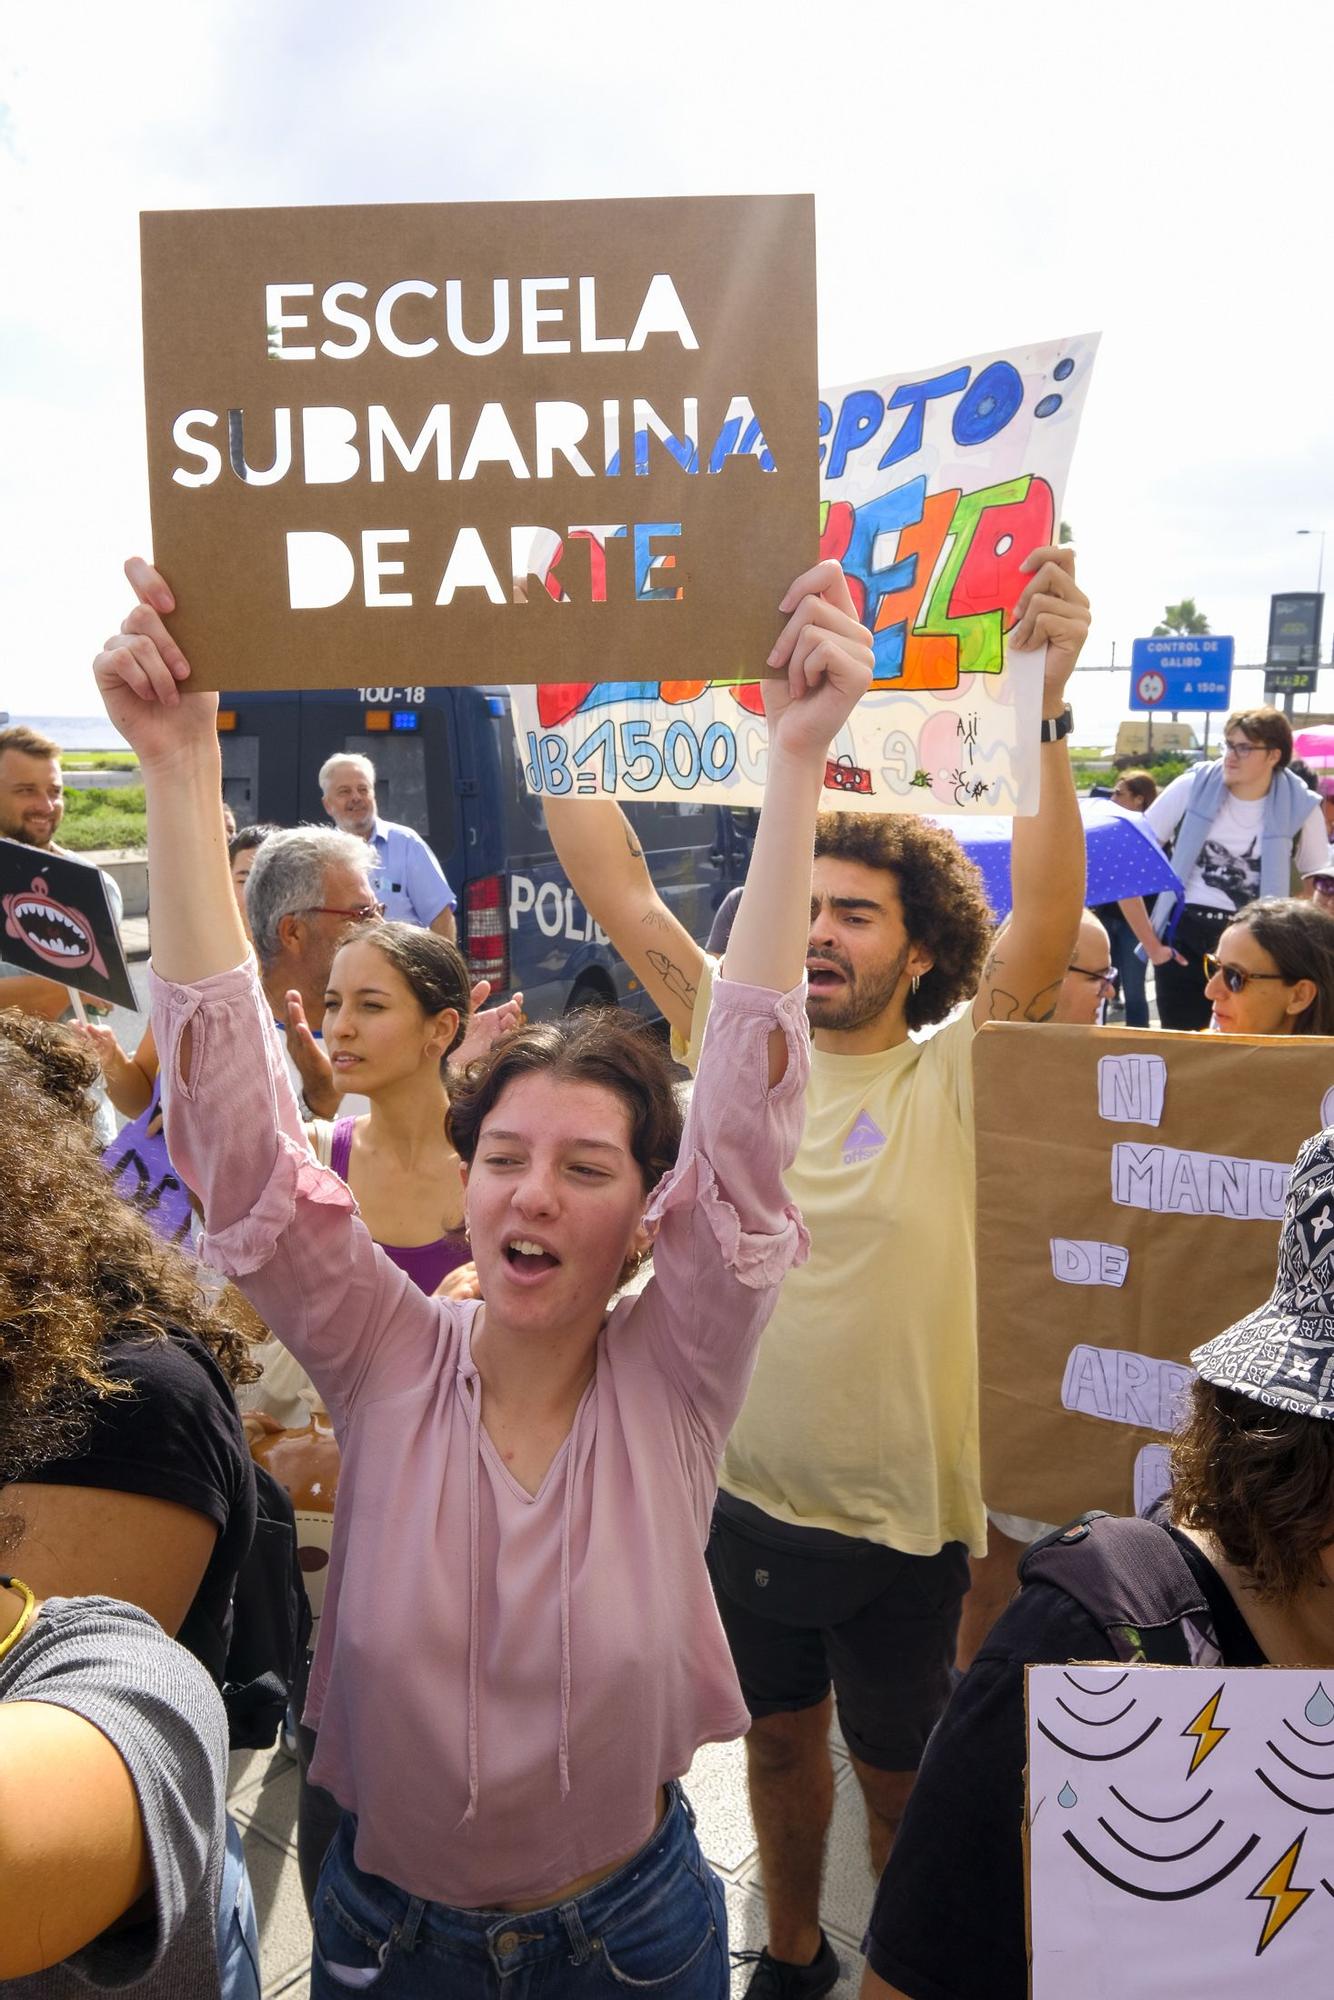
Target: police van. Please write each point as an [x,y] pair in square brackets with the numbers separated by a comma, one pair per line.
[446,765]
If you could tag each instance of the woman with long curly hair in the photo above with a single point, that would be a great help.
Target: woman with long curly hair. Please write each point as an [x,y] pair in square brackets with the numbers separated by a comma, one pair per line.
[145,1489]
[113,1876]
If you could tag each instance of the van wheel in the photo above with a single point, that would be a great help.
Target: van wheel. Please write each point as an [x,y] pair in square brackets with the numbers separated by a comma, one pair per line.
[588,993]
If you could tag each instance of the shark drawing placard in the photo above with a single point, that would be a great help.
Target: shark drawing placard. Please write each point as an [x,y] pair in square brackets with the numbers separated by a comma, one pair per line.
[1180,1832]
[55,920]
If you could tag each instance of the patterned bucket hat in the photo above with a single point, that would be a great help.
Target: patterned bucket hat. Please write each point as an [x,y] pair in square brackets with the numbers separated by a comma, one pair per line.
[1283,1353]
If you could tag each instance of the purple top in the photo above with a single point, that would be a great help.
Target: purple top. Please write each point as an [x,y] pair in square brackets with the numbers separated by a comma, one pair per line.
[425,1263]
[503,1679]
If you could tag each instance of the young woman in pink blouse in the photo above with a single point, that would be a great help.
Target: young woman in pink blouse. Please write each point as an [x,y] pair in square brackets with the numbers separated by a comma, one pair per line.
[519,1654]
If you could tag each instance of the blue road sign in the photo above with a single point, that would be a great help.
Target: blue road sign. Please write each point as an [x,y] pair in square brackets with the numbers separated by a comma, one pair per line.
[1180,672]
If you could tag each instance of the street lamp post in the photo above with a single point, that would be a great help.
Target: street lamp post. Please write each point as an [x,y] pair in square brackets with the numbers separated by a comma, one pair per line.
[1320,560]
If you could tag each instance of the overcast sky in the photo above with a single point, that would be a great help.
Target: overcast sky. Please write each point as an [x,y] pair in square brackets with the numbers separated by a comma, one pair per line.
[984,175]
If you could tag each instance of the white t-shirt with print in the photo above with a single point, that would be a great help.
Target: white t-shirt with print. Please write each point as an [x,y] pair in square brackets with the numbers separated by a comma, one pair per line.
[1227,874]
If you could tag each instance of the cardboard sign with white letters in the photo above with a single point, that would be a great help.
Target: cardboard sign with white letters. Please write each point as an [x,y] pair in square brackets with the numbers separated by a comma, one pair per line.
[1130,1188]
[368,426]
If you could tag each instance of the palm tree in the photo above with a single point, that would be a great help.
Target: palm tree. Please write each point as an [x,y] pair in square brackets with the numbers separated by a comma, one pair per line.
[1183,618]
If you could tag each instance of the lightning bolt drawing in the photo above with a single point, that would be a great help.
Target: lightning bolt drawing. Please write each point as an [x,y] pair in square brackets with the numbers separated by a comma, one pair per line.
[1203,1728]
[1277,1890]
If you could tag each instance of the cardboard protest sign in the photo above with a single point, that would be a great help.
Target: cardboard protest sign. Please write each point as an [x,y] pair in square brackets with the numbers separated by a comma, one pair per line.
[1130,1187]
[1178,1841]
[365,425]
[934,486]
[57,922]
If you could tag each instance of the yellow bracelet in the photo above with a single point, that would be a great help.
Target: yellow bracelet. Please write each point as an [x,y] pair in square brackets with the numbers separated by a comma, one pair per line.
[29,1606]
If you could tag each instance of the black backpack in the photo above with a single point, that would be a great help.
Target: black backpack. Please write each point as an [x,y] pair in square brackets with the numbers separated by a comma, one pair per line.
[1132,1579]
[270,1623]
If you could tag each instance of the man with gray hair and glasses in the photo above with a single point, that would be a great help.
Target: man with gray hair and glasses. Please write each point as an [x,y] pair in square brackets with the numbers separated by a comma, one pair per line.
[307,885]
[410,881]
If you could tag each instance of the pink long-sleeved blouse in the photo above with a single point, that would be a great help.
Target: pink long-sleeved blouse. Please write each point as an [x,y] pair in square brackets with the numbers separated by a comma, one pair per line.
[503,1680]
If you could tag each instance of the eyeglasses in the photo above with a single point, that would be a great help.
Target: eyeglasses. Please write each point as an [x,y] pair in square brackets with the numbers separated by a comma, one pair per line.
[1235,977]
[364,913]
[1237,746]
[1108,978]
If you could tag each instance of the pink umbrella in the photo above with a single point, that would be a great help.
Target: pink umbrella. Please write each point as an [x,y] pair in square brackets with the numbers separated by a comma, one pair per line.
[1316,745]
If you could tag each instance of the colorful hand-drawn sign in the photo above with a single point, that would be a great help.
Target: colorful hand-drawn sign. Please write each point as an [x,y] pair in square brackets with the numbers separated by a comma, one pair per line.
[935,487]
[1179,1839]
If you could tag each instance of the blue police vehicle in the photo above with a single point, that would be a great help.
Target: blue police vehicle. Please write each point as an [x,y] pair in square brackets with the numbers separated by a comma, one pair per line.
[446,765]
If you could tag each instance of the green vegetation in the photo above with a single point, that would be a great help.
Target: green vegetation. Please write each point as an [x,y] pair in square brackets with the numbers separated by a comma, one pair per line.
[100,760]
[1183,618]
[98,818]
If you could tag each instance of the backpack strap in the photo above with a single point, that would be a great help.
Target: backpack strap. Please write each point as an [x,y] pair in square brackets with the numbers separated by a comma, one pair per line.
[1134,1582]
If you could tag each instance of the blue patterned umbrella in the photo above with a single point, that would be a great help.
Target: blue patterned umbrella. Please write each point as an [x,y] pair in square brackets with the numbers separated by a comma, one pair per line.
[1124,858]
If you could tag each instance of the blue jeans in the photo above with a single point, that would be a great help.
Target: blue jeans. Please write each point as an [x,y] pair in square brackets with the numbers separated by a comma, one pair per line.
[238,1933]
[1132,969]
[657,1927]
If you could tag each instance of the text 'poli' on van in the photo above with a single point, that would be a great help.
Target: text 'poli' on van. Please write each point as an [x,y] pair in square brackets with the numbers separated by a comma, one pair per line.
[445,765]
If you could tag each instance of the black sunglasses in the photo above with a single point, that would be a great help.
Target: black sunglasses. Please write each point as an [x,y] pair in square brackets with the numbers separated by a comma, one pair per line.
[1235,977]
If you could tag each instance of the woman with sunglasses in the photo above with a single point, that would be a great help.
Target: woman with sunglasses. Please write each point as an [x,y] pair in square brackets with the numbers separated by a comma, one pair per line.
[1236,828]
[520,1652]
[1273,972]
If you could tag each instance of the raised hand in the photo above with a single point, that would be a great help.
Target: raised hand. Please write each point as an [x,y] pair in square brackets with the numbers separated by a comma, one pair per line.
[486,1024]
[139,673]
[1052,612]
[311,1059]
[823,663]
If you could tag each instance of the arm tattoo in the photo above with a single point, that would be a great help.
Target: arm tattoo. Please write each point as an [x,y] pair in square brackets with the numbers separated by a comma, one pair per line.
[672,977]
[635,849]
[656,920]
[1005,1006]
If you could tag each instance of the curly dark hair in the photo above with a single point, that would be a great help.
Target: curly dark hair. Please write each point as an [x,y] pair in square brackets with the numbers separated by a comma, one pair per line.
[599,1045]
[69,1067]
[78,1266]
[945,908]
[1261,1482]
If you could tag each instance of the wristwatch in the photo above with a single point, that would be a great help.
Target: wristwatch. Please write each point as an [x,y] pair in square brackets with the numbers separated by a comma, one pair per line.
[1057,726]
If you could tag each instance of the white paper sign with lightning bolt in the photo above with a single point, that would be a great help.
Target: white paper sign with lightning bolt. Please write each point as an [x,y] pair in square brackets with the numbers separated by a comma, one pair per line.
[934,488]
[1180,1827]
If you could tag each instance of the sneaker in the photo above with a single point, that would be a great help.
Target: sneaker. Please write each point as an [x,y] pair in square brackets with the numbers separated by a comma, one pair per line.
[775,1979]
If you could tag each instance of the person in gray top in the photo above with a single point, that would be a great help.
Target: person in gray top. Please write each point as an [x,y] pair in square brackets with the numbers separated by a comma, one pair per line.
[113,1738]
[111,1877]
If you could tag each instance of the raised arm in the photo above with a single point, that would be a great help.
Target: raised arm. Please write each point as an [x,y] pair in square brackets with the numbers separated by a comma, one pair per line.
[600,852]
[727,1231]
[196,925]
[283,1227]
[1021,980]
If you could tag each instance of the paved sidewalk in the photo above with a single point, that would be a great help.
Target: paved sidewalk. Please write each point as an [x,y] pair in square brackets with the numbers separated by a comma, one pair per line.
[263,1799]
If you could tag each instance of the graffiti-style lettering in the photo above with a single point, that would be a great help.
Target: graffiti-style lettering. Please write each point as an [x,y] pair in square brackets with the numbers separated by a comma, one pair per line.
[914,397]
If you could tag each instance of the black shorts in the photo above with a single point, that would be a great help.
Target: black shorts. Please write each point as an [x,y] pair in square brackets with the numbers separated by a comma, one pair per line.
[804,1609]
